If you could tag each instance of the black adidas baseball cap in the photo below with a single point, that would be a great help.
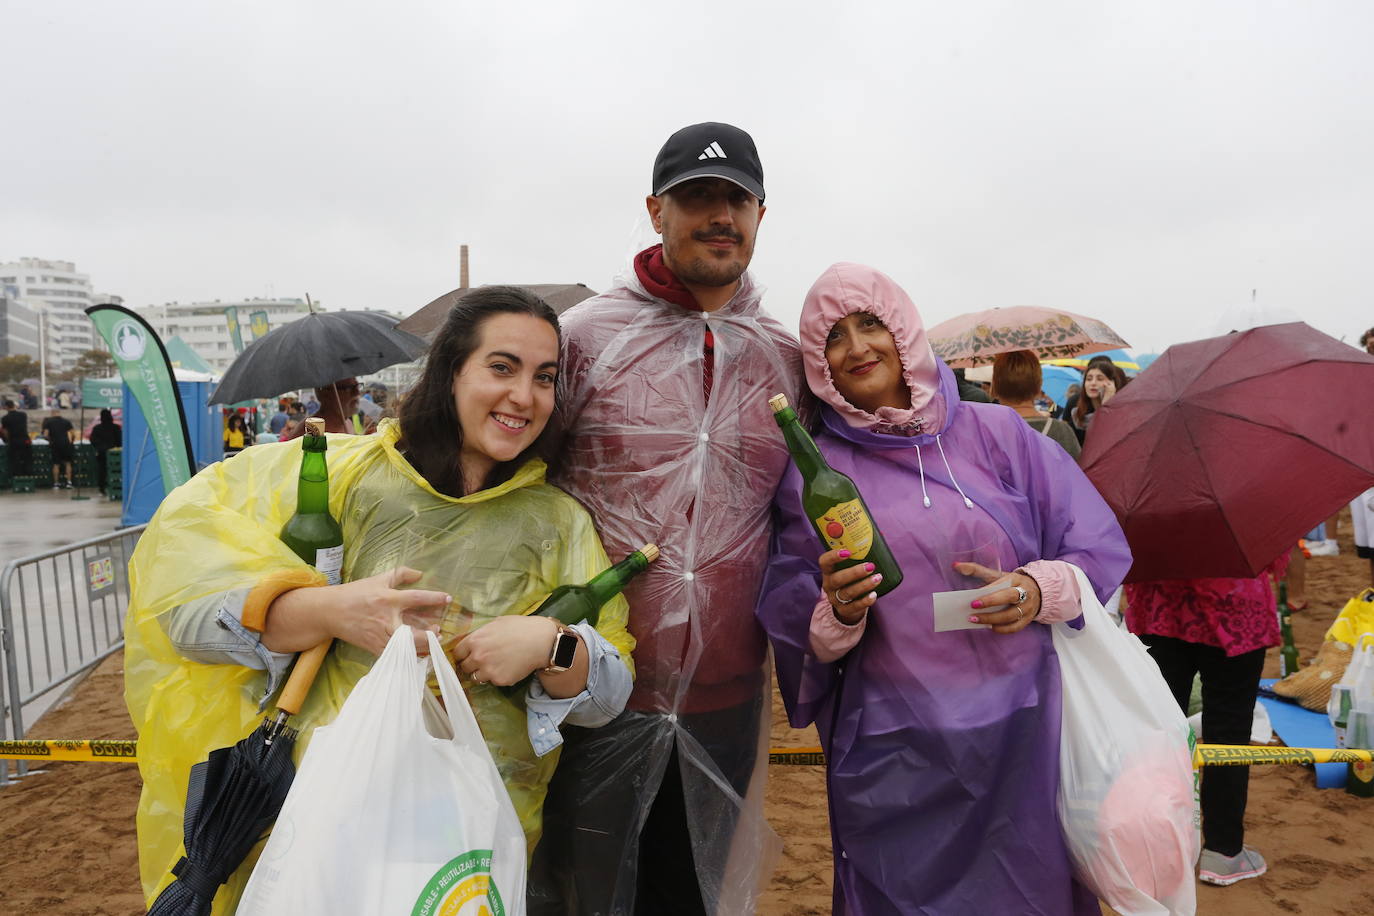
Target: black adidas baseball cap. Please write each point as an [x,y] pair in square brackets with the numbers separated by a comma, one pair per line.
[710,150]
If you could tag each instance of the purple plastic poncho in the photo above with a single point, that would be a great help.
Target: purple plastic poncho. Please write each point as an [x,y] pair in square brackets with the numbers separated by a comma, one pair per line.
[942,749]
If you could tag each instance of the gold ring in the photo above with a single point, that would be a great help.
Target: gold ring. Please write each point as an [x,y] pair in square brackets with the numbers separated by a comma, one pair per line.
[1019,613]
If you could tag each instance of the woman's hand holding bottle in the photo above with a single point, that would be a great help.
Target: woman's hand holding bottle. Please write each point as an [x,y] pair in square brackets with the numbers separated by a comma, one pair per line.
[850,590]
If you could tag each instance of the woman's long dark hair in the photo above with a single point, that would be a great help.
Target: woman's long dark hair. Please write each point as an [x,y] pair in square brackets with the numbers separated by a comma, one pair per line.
[1108,368]
[431,435]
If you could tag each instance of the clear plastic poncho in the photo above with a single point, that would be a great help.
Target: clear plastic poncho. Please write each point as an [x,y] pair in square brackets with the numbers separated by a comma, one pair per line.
[653,459]
[508,547]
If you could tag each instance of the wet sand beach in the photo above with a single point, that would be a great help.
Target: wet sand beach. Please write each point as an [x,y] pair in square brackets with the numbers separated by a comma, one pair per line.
[67,841]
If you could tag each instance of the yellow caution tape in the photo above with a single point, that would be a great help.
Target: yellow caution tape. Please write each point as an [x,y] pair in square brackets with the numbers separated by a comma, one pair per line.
[1208,755]
[1205,755]
[97,751]
[71,749]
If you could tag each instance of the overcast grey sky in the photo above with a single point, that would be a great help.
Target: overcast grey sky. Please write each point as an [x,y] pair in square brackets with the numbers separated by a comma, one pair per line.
[1144,163]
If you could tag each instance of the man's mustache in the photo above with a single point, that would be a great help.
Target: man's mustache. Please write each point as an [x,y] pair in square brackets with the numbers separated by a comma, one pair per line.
[721,234]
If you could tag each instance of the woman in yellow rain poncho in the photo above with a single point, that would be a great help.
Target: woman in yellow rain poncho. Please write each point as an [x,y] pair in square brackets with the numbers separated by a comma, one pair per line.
[458,469]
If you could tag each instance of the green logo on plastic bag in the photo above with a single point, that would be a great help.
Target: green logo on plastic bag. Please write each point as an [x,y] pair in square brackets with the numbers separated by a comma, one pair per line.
[462,887]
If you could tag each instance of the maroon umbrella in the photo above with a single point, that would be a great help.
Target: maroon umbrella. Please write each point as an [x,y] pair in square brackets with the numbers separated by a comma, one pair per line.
[1219,456]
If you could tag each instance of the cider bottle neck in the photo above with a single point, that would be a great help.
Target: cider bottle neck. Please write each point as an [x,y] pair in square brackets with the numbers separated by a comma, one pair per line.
[312,490]
[606,585]
[799,442]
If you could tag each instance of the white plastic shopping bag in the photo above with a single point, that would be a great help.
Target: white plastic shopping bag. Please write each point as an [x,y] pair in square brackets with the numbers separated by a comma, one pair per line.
[1127,788]
[397,808]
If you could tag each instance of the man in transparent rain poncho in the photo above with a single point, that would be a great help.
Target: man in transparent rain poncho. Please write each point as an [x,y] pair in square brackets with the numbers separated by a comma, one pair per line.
[668,438]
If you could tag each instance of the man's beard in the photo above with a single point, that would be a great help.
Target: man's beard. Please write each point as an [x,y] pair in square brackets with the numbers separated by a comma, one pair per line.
[710,272]
[701,272]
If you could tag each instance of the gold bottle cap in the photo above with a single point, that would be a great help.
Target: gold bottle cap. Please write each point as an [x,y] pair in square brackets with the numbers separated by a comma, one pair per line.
[650,552]
[778,402]
[314,426]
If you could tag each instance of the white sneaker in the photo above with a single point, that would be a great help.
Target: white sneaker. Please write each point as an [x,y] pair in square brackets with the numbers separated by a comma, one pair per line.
[1326,548]
[1215,868]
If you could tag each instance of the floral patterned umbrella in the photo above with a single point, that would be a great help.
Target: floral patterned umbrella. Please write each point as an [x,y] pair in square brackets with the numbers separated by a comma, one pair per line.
[976,339]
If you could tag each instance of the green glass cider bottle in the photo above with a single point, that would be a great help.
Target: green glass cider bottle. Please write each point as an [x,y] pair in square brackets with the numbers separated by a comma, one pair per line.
[312,532]
[1288,655]
[570,604]
[833,503]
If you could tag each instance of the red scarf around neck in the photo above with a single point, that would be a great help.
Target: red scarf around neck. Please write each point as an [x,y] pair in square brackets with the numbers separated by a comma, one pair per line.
[662,283]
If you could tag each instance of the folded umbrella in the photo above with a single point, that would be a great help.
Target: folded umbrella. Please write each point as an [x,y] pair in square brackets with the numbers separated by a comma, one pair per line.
[1218,458]
[976,339]
[233,797]
[315,350]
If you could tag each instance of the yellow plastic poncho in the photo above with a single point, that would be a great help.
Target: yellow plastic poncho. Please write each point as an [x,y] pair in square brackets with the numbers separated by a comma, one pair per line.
[509,546]
[1355,619]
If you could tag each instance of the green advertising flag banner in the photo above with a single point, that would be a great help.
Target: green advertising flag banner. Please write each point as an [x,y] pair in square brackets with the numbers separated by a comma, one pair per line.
[102,392]
[147,373]
[231,316]
[258,324]
[183,357]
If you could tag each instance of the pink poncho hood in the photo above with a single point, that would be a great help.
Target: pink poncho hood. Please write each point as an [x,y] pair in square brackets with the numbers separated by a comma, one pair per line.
[842,290]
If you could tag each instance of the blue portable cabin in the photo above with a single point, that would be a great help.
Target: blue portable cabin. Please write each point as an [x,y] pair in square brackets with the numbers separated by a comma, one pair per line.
[142,475]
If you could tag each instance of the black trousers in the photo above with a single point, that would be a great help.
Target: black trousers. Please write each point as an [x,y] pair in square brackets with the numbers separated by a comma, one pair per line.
[20,458]
[1229,687]
[595,820]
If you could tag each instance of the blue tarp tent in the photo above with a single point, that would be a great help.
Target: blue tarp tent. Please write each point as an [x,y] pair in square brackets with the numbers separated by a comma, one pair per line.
[141,474]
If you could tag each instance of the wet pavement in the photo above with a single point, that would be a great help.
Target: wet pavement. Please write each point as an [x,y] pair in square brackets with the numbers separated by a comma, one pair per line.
[46,519]
[66,610]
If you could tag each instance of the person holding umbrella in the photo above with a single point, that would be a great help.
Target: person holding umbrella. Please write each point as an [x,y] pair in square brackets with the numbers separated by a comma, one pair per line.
[462,464]
[338,407]
[1196,459]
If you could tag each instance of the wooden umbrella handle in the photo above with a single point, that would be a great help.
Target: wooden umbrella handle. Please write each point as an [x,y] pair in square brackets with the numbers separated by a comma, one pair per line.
[302,677]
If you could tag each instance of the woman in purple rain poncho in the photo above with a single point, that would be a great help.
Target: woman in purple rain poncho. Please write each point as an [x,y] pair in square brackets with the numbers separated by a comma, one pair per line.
[942,749]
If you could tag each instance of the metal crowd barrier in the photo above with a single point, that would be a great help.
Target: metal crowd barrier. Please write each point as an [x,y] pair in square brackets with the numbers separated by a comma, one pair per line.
[61,613]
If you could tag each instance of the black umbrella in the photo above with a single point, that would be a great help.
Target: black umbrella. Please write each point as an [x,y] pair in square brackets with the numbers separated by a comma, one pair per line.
[231,800]
[233,796]
[315,350]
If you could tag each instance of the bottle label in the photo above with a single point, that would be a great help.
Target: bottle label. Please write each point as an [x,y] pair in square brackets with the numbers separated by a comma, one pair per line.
[847,527]
[1362,770]
[330,562]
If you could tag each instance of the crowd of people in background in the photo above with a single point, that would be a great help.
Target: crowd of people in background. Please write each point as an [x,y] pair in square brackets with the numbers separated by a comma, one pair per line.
[61,437]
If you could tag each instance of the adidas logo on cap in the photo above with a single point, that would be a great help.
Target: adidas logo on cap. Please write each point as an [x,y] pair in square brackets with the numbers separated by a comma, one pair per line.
[713,151]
